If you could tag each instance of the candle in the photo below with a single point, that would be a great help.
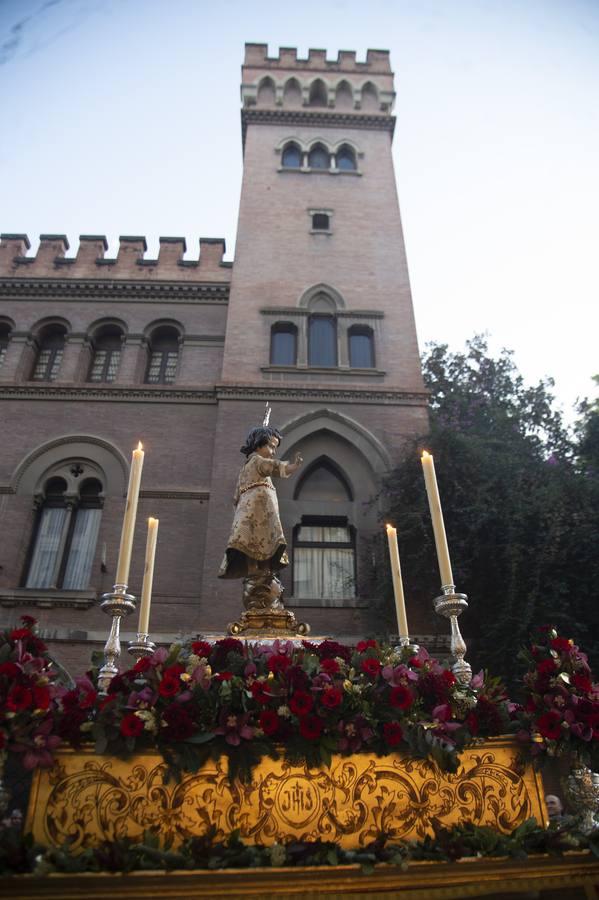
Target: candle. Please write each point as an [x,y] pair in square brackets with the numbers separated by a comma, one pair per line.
[146,589]
[124,563]
[400,602]
[434,502]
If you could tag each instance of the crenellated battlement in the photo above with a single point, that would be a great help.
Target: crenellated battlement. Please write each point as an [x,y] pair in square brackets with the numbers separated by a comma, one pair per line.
[377,61]
[343,85]
[130,262]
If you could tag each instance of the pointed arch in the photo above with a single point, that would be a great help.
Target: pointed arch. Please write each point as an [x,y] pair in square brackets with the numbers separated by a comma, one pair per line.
[266,92]
[369,446]
[338,479]
[312,293]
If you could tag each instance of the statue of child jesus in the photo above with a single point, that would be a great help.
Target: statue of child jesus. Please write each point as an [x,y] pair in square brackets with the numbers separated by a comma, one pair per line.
[256,548]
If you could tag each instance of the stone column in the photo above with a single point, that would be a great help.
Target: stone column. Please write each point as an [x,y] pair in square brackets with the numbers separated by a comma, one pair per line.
[16,357]
[71,359]
[134,359]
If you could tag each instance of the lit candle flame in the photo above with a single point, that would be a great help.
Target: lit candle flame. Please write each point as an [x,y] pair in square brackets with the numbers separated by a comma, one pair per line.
[425,453]
[139,445]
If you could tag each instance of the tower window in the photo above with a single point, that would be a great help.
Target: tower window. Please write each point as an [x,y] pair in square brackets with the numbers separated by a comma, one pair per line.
[50,353]
[65,536]
[292,157]
[283,344]
[346,160]
[320,222]
[361,347]
[322,341]
[319,157]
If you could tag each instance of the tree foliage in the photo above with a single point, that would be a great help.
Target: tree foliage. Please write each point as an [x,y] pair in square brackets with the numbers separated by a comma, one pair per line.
[520,496]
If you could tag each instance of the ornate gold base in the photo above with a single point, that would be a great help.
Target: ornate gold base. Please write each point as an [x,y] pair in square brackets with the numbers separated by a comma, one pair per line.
[268,622]
[87,798]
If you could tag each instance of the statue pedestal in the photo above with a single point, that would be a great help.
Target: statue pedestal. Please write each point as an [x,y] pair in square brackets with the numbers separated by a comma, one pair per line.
[87,798]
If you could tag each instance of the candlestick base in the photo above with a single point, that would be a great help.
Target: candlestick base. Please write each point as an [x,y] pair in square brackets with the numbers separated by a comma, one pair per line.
[142,646]
[117,604]
[406,646]
[450,605]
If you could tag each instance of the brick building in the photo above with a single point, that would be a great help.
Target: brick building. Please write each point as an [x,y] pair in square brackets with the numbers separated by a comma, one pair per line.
[314,315]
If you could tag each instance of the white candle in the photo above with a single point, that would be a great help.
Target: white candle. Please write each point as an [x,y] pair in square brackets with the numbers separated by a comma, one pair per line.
[146,589]
[400,602]
[124,563]
[434,502]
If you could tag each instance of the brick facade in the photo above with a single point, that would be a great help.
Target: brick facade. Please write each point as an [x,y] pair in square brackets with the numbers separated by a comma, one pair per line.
[285,271]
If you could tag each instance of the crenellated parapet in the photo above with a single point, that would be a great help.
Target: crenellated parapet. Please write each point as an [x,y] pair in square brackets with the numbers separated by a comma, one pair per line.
[130,263]
[343,85]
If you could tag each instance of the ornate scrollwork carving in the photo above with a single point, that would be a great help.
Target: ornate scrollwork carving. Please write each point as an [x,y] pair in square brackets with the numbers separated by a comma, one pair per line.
[87,798]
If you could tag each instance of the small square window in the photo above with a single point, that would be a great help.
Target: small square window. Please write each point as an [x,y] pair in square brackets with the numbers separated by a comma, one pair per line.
[320,222]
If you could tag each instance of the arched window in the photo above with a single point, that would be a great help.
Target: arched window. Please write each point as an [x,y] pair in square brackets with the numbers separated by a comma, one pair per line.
[4,340]
[344,97]
[266,92]
[164,356]
[346,160]
[318,157]
[322,341]
[324,559]
[106,355]
[49,354]
[283,344]
[292,157]
[65,535]
[323,481]
[292,95]
[361,347]
[318,93]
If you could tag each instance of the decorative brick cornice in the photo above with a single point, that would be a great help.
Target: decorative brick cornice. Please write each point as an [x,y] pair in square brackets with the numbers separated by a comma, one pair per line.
[98,290]
[321,394]
[318,118]
[107,393]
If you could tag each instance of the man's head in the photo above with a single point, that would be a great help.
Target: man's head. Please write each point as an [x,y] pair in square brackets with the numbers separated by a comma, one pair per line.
[554,806]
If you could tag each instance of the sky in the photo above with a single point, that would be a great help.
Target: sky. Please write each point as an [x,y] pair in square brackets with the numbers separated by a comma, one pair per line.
[122,117]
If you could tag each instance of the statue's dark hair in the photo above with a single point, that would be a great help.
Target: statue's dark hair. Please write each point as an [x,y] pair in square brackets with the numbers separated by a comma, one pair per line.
[259,437]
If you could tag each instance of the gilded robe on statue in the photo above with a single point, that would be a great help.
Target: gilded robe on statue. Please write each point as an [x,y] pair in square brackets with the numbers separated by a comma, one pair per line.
[257,533]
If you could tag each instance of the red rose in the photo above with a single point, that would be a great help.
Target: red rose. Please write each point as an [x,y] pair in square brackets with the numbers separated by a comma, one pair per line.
[28,621]
[332,698]
[223,676]
[201,648]
[260,692]
[361,646]
[401,697]
[169,686]
[41,697]
[179,724]
[142,664]
[330,666]
[18,634]
[19,698]
[278,662]
[549,725]
[10,669]
[311,727]
[301,703]
[392,733]
[269,722]
[371,667]
[131,726]
[561,644]
[582,682]
[448,677]
[546,667]
[415,663]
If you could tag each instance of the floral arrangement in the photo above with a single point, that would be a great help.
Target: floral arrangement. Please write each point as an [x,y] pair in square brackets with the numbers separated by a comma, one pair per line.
[29,698]
[198,700]
[561,709]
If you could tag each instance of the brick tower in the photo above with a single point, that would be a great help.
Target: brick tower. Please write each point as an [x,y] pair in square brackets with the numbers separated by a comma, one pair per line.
[320,323]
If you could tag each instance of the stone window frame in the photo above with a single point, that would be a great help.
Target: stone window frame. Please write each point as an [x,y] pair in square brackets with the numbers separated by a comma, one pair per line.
[321,211]
[7,327]
[96,332]
[53,363]
[296,544]
[149,334]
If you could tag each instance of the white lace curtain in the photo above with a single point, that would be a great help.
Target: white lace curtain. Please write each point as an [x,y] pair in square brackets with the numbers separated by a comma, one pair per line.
[321,571]
[50,547]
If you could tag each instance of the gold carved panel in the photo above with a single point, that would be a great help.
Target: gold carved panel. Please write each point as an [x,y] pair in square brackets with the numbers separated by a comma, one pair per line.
[87,798]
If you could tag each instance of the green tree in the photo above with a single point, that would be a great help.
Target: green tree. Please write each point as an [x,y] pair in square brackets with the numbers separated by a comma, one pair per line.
[521,505]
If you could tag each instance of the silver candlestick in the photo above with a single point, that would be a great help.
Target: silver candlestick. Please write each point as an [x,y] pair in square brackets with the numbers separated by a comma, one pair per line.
[141,646]
[450,605]
[117,604]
